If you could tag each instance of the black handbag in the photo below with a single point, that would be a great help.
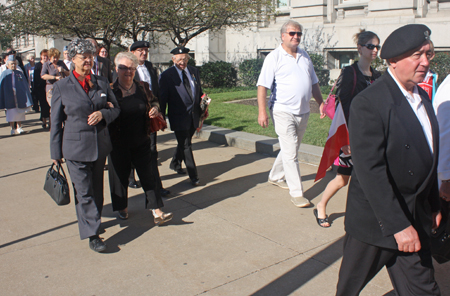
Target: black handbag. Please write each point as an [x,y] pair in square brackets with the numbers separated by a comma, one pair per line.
[440,239]
[56,185]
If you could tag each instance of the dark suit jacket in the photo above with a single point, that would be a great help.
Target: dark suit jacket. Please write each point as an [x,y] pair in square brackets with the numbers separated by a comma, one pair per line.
[104,68]
[153,77]
[71,137]
[182,109]
[394,180]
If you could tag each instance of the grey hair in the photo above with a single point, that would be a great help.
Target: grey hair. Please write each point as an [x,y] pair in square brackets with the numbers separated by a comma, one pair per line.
[29,56]
[80,46]
[290,23]
[126,55]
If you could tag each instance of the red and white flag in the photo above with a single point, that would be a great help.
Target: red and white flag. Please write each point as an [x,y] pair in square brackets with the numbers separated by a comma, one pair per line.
[337,137]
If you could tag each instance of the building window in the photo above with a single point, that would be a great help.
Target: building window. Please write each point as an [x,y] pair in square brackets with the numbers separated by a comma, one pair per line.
[283,3]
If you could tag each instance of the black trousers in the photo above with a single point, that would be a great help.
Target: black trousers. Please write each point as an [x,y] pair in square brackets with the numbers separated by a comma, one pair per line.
[41,97]
[87,181]
[35,101]
[184,152]
[154,163]
[411,273]
[120,160]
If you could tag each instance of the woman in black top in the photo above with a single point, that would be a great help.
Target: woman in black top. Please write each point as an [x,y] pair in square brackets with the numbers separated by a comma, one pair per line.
[131,141]
[353,80]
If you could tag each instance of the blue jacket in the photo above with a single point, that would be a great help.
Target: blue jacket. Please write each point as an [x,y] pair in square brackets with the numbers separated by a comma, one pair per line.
[22,99]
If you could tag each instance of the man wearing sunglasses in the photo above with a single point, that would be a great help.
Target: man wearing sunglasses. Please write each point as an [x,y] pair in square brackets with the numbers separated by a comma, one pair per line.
[393,196]
[289,73]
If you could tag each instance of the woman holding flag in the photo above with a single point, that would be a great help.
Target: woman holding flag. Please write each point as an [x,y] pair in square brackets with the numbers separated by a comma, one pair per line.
[353,80]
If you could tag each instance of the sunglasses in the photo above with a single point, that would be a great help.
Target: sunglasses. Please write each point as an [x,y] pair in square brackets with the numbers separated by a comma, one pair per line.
[292,34]
[371,46]
[125,68]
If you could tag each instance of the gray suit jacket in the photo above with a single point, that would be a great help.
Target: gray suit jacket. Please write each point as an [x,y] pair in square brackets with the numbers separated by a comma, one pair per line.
[71,137]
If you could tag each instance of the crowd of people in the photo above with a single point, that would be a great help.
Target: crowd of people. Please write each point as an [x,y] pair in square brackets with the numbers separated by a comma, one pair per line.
[398,180]
[397,191]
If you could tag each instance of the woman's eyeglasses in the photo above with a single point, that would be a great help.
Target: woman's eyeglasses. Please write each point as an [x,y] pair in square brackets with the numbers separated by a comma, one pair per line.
[371,46]
[292,34]
[125,68]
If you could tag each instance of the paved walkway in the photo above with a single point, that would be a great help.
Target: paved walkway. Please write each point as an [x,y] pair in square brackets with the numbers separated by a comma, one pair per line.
[233,235]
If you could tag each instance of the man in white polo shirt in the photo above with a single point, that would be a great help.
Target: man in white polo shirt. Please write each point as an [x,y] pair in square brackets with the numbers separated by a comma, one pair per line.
[289,73]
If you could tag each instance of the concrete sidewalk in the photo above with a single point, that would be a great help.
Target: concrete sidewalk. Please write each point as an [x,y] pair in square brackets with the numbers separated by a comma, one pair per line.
[235,234]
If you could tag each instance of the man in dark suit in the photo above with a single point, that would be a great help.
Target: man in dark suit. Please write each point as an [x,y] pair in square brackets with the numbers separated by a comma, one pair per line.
[393,197]
[147,73]
[39,87]
[180,90]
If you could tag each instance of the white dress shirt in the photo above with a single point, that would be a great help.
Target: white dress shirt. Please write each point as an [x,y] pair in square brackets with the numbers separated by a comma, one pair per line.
[419,109]
[144,75]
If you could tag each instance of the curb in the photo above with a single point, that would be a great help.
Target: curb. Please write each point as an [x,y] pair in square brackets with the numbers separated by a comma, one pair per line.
[261,144]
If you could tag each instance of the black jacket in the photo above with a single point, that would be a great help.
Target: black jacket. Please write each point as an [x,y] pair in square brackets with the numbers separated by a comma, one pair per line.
[347,89]
[394,179]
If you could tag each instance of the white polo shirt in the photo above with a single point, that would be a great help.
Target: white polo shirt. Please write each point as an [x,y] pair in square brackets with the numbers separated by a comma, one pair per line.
[290,80]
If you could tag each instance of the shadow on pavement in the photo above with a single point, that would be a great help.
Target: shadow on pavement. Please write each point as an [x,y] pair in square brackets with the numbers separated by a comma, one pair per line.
[38,234]
[301,274]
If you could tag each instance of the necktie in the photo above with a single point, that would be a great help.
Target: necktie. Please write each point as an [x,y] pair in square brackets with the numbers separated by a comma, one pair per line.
[186,83]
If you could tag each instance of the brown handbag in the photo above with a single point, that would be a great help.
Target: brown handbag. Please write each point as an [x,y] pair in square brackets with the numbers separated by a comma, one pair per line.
[156,123]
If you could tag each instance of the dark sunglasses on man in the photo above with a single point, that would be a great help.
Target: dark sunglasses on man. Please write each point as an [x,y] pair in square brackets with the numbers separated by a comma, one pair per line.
[125,68]
[371,46]
[292,34]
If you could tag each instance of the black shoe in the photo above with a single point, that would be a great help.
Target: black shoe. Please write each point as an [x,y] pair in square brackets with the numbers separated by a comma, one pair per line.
[164,192]
[96,244]
[195,182]
[105,168]
[122,215]
[180,171]
[134,184]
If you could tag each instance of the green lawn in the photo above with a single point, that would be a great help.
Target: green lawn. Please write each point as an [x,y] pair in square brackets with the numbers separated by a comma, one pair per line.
[245,117]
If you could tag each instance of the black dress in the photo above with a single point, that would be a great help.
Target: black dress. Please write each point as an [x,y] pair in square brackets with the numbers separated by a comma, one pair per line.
[131,145]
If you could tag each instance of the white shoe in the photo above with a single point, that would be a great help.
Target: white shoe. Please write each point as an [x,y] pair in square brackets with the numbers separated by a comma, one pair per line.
[300,201]
[19,130]
[281,184]
[13,132]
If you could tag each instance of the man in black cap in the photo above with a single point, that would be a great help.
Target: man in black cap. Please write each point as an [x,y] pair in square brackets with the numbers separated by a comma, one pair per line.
[393,196]
[146,72]
[181,91]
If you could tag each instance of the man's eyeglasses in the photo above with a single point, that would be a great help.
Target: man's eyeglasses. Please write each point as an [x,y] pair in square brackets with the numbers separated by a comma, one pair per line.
[125,68]
[292,34]
[371,46]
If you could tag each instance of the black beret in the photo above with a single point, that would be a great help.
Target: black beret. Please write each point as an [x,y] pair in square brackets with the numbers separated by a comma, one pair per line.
[404,39]
[139,44]
[179,50]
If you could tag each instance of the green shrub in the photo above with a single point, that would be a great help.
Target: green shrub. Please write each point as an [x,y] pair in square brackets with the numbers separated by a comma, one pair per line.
[441,65]
[249,71]
[322,74]
[218,74]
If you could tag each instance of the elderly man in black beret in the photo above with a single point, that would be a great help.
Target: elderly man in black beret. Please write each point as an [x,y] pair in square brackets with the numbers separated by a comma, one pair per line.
[393,197]
[180,90]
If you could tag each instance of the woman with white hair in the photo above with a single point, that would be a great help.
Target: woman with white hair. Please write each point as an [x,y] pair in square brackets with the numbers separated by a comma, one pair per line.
[130,136]
[15,95]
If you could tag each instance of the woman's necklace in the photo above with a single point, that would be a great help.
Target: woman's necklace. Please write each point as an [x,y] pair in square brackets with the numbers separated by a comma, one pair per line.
[127,91]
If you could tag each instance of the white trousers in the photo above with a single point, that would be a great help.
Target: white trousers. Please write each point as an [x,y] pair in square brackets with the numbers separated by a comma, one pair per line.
[290,129]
